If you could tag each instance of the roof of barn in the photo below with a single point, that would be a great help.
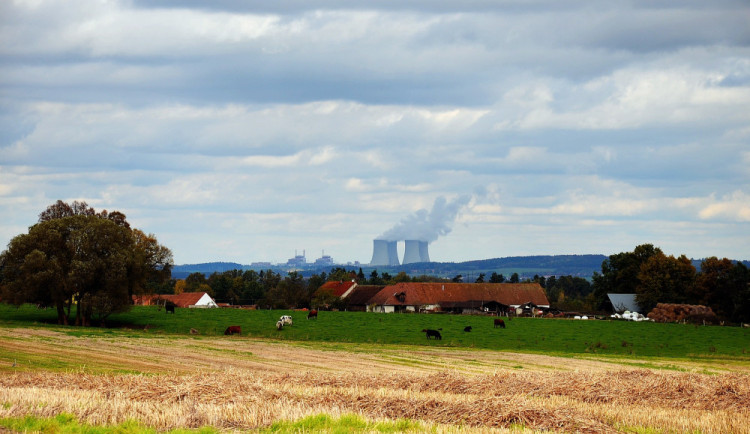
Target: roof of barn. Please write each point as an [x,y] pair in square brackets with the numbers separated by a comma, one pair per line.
[185,299]
[432,293]
[336,287]
[362,294]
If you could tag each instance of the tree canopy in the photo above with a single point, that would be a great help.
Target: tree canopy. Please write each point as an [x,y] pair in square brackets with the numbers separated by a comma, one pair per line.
[654,277]
[76,257]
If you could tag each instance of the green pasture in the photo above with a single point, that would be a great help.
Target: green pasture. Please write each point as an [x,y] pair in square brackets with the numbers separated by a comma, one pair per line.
[549,336]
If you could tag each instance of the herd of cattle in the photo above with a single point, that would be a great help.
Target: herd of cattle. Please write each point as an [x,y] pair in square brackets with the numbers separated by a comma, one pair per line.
[435,334]
[286,320]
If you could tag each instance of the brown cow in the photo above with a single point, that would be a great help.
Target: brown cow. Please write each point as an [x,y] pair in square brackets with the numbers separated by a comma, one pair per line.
[499,323]
[312,314]
[233,330]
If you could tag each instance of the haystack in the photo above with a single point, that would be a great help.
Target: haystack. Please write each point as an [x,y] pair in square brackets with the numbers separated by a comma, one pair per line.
[671,312]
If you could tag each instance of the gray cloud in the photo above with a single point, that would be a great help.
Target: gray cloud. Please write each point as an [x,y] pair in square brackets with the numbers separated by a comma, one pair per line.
[242,131]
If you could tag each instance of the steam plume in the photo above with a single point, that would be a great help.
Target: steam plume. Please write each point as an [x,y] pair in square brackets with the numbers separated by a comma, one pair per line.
[428,226]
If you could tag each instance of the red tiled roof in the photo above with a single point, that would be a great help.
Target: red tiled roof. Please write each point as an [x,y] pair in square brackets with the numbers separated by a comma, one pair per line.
[186,298]
[415,293]
[336,287]
[180,300]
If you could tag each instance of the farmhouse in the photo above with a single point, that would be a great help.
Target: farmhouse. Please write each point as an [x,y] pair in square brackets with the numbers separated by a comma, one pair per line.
[459,297]
[186,299]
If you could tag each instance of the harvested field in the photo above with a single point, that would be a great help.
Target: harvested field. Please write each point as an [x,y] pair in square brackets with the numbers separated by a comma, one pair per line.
[243,384]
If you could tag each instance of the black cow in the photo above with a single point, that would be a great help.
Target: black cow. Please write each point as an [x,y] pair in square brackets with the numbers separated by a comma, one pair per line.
[499,323]
[467,328]
[432,333]
[233,330]
[169,308]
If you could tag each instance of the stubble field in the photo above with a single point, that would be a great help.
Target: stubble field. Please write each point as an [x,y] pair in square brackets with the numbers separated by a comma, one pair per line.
[240,383]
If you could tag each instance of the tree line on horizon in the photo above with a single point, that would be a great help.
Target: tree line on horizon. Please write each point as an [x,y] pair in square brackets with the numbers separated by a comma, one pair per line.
[75,256]
[721,284]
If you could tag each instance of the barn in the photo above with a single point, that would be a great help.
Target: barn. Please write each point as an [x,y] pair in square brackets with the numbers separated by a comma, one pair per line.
[458,297]
[186,299]
[358,299]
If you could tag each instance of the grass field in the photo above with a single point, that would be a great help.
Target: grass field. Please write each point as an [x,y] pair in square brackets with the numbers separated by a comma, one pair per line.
[548,336]
[359,372]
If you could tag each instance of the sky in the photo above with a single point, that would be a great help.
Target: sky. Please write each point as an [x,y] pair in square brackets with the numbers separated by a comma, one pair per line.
[246,132]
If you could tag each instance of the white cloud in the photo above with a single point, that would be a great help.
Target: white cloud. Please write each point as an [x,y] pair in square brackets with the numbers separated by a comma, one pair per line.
[735,206]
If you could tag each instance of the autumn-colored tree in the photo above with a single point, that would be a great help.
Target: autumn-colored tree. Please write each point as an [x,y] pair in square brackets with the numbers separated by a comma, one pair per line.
[179,286]
[664,279]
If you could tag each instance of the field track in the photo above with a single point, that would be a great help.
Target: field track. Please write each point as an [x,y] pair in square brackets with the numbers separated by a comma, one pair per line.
[241,383]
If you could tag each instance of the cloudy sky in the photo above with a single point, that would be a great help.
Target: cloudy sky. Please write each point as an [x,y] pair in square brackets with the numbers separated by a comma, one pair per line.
[243,132]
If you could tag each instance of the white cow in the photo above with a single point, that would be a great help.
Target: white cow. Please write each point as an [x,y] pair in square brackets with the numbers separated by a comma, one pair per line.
[279,325]
[286,319]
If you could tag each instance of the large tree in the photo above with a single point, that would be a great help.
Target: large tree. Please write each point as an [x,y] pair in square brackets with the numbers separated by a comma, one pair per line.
[76,257]
[620,273]
[724,286]
[664,279]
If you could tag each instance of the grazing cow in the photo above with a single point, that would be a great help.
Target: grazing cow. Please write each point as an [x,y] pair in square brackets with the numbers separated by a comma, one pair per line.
[169,308]
[279,325]
[233,330]
[432,333]
[499,323]
[312,314]
[286,319]
[467,328]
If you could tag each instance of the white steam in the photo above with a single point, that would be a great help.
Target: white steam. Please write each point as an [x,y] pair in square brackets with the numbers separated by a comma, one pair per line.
[428,226]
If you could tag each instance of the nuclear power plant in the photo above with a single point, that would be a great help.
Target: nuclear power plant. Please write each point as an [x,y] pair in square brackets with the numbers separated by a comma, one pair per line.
[385,252]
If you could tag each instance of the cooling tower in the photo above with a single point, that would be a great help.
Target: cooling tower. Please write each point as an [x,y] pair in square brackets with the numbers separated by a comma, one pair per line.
[424,255]
[415,251]
[392,253]
[384,253]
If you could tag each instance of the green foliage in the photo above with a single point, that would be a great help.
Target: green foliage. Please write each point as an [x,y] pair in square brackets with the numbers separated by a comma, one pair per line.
[496,278]
[76,257]
[620,273]
[575,290]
